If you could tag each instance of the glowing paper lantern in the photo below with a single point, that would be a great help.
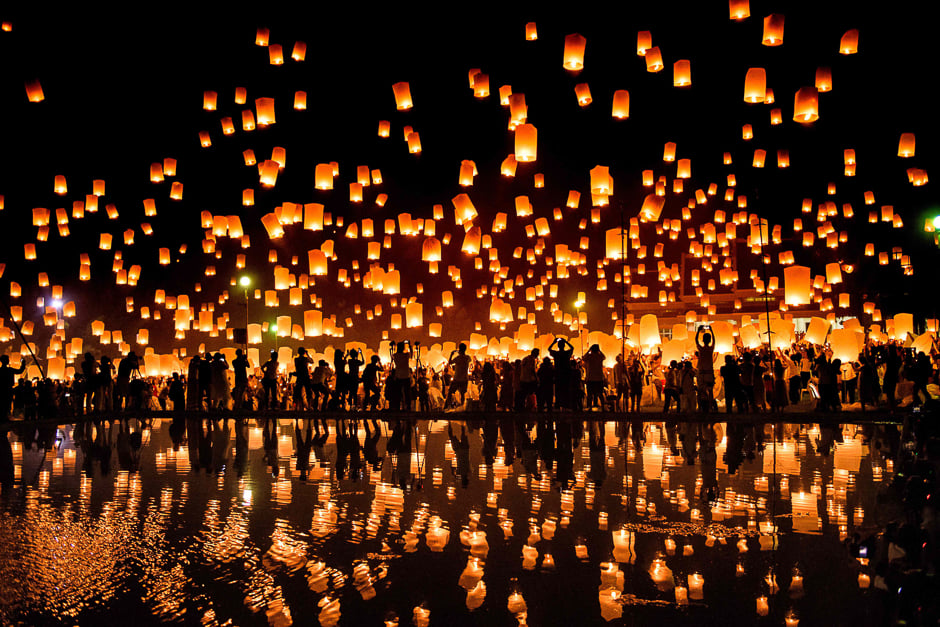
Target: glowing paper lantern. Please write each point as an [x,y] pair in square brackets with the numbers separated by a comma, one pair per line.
[806,105]
[644,41]
[574,52]
[264,107]
[906,145]
[682,73]
[824,79]
[34,91]
[621,106]
[583,93]
[739,9]
[402,93]
[526,142]
[817,330]
[323,176]
[797,281]
[649,331]
[755,85]
[654,59]
[773,30]
[849,42]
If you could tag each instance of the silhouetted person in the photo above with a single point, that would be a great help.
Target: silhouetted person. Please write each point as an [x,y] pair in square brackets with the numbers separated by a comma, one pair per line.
[7,376]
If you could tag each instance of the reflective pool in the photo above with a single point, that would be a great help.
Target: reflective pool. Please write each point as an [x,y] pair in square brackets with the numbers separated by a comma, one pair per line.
[245,522]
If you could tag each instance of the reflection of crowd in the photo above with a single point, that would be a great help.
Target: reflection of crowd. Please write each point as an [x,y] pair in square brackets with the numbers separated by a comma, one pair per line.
[762,380]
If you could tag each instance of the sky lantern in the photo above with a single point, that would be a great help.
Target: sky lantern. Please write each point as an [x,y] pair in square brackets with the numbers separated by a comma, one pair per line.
[583,92]
[849,42]
[755,85]
[508,166]
[402,93]
[649,332]
[209,100]
[652,208]
[275,54]
[531,33]
[654,59]
[384,128]
[465,176]
[34,91]
[621,106]
[684,169]
[669,151]
[300,101]
[262,35]
[414,143]
[574,52]
[299,51]
[204,140]
[272,225]
[60,187]
[806,105]
[323,176]
[823,79]
[905,146]
[833,273]
[481,85]
[739,9]
[526,143]
[817,330]
[265,111]
[682,73]
[759,157]
[601,180]
[464,211]
[797,288]
[471,241]
[644,41]
[773,30]
[414,315]
[317,260]
[783,158]
[431,249]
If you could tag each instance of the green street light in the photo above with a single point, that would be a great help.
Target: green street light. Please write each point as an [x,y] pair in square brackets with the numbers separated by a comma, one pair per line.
[936,222]
[245,281]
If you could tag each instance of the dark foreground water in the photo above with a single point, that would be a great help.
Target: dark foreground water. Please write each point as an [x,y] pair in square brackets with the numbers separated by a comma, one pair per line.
[243,522]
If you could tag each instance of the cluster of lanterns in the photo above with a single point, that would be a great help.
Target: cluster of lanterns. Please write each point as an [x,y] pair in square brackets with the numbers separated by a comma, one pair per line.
[516,265]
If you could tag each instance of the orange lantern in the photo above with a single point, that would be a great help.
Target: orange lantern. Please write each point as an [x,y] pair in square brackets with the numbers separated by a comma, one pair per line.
[682,73]
[773,30]
[402,93]
[34,91]
[739,9]
[526,142]
[806,105]
[905,146]
[823,79]
[621,106]
[574,52]
[755,85]
[849,42]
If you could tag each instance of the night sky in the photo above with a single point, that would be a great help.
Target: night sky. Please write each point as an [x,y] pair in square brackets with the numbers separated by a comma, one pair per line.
[121,94]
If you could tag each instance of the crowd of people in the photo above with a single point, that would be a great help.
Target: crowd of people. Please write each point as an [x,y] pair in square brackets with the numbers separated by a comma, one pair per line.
[748,381]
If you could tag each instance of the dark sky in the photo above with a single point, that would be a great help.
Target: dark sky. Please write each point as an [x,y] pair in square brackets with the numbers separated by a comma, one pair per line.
[121,93]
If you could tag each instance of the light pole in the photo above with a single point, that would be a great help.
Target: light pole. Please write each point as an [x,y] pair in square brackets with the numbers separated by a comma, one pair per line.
[245,282]
[578,305]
